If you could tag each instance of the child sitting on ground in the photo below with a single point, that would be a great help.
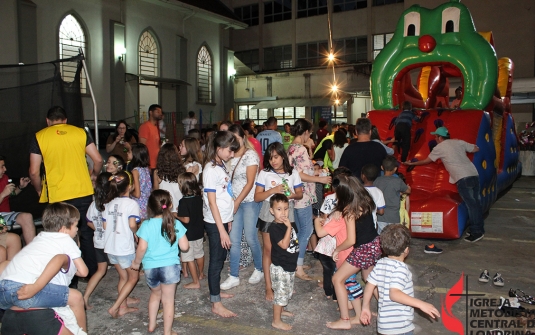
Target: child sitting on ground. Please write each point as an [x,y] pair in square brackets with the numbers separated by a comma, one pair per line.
[284,254]
[60,222]
[392,187]
[393,280]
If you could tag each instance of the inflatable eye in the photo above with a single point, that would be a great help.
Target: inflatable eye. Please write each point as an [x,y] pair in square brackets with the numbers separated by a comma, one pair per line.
[412,24]
[450,20]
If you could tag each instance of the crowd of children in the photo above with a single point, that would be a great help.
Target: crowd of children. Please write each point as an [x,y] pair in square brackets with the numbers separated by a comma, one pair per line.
[156,221]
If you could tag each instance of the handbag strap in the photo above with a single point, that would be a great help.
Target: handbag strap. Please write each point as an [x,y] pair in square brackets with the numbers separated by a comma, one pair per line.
[237,164]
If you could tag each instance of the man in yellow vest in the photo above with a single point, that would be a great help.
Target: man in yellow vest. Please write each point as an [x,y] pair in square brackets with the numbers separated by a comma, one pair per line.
[324,151]
[62,149]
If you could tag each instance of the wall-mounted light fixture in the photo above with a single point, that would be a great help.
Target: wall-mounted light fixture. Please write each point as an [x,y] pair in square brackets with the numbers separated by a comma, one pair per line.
[231,72]
[121,51]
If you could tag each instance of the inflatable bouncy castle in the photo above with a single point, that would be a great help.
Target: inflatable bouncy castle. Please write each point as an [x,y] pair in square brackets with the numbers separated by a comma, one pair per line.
[428,49]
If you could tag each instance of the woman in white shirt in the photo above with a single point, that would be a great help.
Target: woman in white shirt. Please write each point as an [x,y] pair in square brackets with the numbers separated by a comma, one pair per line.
[340,144]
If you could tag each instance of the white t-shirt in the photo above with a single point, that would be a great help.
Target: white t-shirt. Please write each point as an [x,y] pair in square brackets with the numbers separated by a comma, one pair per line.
[95,217]
[118,237]
[393,317]
[31,261]
[216,179]
[249,158]
[378,198]
[174,190]
[338,154]
[190,164]
[189,124]
[329,203]
[271,179]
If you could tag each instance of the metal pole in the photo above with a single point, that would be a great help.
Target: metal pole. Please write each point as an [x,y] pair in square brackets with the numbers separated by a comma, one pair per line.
[95,113]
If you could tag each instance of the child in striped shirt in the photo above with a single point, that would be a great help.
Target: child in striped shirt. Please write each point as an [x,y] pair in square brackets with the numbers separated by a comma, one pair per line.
[393,280]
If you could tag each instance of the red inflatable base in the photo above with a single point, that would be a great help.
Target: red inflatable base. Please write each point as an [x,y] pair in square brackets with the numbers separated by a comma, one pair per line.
[435,209]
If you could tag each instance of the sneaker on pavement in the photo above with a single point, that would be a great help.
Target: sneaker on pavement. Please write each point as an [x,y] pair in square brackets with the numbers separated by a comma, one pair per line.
[484,276]
[432,249]
[230,282]
[473,238]
[256,277]
[498,280]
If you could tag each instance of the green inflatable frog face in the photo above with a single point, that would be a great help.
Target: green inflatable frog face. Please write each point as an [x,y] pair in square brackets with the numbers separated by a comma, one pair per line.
[444,36]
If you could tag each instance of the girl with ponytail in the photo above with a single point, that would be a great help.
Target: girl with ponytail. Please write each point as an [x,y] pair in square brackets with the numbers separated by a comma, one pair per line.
[160,236]
[120,217]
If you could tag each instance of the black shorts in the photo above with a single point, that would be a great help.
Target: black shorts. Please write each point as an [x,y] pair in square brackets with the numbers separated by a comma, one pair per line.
[102,257]
[263,226]
[31,322]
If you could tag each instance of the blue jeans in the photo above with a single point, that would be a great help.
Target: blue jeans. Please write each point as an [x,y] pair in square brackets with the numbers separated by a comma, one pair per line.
[245,220]
[51,295]
[469,191]
[163,275]
[217,259]
[303,221]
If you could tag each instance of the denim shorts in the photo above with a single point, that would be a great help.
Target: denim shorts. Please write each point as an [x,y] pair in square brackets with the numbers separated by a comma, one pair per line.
[123,261]
[10,217]
[164,275]
[51,295]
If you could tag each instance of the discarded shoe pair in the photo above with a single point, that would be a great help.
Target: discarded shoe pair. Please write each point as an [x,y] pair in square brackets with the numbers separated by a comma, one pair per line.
[497,280]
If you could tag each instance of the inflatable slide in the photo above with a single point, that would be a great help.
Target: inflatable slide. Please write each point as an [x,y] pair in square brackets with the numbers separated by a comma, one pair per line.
[428,49]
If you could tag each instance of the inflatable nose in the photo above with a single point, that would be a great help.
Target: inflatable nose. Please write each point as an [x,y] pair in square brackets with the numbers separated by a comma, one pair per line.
[426,43]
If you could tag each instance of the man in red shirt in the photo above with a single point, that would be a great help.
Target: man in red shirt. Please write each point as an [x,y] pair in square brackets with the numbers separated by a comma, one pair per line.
[24,220]
[322,132]
[149,133]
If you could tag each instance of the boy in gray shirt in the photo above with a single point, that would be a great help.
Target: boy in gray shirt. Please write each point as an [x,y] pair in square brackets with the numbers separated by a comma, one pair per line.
[392,187]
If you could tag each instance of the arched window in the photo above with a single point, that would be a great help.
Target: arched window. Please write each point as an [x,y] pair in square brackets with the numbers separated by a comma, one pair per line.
[148,56]
[204,75]
[71,39]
